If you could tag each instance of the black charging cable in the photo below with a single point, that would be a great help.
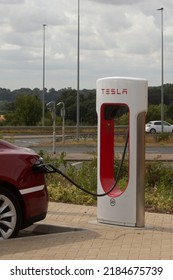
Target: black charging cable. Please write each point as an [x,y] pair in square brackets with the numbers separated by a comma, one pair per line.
[49,168]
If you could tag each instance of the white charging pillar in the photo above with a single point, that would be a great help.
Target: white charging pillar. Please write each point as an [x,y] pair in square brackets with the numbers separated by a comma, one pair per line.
[121,207]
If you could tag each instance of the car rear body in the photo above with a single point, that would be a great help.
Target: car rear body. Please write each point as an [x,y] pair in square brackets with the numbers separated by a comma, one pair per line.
[18,177]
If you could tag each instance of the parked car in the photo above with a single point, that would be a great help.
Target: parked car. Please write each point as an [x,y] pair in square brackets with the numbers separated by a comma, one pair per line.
[156,127]
[23,192]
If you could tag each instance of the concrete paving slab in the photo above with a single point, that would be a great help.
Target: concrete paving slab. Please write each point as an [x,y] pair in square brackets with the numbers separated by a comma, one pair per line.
[95,240]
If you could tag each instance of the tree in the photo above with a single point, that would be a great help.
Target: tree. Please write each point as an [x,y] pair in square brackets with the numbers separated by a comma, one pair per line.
[87,101]
[153,113]
[27,111]
[68,96]
[170,112]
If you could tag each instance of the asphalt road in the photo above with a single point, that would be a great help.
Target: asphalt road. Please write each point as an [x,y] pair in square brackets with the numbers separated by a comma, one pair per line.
[31,142]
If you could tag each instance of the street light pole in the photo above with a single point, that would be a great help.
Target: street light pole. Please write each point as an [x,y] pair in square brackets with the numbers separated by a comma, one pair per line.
[162,91]
[54,127]
[43,92]
[78,73]
[63,119]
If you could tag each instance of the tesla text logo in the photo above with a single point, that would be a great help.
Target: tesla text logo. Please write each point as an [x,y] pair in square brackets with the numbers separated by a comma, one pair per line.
[114,91]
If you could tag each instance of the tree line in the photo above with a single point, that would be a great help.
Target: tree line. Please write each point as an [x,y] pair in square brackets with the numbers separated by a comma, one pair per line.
[24,106]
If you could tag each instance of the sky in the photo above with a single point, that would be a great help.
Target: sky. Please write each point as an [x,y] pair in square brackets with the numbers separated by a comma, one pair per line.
[117,38]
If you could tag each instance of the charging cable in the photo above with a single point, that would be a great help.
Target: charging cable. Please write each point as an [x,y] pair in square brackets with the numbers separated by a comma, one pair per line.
[49,168]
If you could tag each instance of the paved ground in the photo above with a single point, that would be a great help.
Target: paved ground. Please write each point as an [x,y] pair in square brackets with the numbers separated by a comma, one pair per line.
[94,240]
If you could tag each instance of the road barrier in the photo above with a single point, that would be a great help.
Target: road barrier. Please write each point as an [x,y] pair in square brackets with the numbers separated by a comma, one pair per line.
[85,131]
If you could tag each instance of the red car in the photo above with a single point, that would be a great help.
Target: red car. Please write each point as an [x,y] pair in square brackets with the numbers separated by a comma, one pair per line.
[23,192]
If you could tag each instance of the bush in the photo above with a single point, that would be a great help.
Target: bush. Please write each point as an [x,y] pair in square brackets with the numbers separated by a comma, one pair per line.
[159,187]
[60,190]
[165,137]
[158,191]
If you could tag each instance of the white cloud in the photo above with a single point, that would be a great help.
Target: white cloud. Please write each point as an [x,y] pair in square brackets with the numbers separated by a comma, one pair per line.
[117,2]
[12,2]
[116,38]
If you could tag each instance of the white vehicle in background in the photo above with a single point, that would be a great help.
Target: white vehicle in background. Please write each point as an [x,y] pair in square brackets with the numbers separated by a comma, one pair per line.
[156,127]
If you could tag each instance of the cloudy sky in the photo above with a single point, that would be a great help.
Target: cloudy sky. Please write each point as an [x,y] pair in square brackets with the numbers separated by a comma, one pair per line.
[117,38]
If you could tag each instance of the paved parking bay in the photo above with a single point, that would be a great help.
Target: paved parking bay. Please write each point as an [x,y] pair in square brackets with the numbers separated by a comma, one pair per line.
[71,232]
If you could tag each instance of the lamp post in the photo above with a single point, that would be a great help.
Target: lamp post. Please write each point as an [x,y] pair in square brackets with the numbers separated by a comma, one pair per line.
[162,92]
[63,119]
[78,72]
[53,119]
[43,92]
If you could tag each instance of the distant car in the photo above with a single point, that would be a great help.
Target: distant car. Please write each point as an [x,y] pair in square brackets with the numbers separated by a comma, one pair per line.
[156,127]
[23,192]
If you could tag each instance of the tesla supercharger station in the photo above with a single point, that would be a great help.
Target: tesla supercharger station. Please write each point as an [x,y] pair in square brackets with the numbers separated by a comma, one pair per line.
[122,206]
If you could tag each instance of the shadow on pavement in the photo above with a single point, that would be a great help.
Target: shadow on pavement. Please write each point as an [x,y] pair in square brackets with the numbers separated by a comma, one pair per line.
[44,229]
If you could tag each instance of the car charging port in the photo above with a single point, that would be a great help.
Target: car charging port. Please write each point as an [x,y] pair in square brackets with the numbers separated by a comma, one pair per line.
[45,168]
